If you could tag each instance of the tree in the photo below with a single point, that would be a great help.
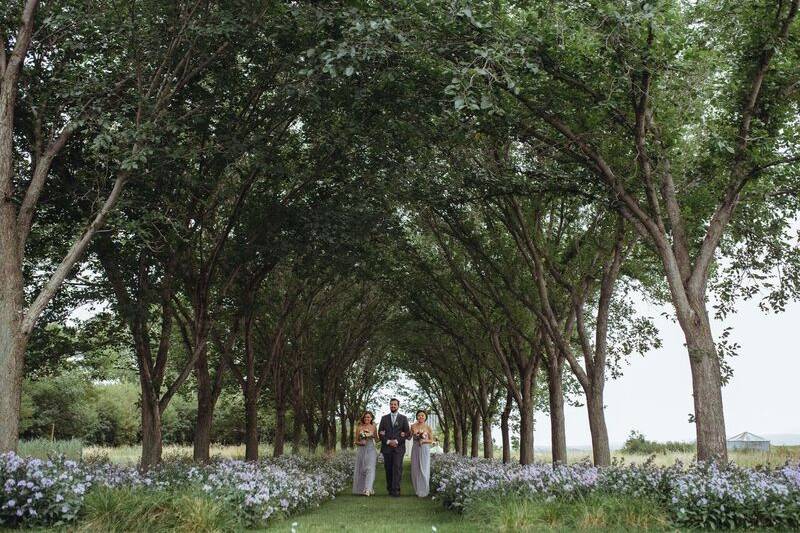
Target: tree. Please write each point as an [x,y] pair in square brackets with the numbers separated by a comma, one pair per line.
[678,169]
[63,101]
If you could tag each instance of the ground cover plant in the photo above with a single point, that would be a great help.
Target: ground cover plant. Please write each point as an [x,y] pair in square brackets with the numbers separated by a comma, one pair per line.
[698,495]
[57,491]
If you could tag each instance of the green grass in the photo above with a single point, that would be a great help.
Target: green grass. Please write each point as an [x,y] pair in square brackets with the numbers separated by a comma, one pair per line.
[171,452]
[777,456]
[45,448]
[380,513]
[595,513]
[136,509]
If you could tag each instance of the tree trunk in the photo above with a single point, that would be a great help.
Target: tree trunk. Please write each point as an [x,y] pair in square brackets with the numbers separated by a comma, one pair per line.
[152,442]
[323,433]
[465,440]
[343,434]
[558,433]
[327,429]
[458,436]
[12,351]
[311,432]
[707,388]
[475,428]
[332,428]
[12,340]
[504,427]
[297,431]
[280,432]
[488,443]
[526,421]
[299,412]
[251,426]
[444,431]
[601,451]
[205,411]
[352,426]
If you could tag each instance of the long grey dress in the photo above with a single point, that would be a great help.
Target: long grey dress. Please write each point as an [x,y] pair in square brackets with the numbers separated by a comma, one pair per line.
[421,468]
[364,475]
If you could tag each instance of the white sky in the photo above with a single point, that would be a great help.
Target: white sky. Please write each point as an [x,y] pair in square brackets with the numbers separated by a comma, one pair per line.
[654,395]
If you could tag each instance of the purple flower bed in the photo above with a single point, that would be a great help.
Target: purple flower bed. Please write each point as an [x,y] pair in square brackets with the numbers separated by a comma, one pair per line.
[696,495]
[52,492]
[277,486]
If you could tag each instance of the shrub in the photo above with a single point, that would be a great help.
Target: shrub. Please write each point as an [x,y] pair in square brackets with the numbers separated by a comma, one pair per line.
[37,491]
[637,444]
[699,495]
[118,418]
[53,492]
[70,406]
[61,407]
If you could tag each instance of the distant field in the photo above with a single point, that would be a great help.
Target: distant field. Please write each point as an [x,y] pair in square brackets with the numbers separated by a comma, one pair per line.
[777,455]
[73,449]
[130,454]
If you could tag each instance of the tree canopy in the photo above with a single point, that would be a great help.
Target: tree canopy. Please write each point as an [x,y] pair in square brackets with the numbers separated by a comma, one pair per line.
[288,203]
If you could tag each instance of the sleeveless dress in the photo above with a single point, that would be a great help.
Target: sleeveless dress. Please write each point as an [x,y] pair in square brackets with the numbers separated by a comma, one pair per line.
[421,467]
[364,474]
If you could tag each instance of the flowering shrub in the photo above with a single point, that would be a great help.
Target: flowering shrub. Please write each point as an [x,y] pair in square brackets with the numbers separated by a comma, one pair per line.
[38,492]
[458,479]
[284,485]
[706,496]
[697,495]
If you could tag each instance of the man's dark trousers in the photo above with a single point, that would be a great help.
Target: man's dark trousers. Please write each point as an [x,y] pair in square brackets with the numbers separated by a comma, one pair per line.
[393,463]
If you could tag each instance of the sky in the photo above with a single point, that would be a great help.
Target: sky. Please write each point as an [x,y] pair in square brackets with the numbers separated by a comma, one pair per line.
[654,395]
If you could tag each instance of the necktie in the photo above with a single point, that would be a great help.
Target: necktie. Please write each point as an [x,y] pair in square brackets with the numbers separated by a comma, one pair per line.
[394,418]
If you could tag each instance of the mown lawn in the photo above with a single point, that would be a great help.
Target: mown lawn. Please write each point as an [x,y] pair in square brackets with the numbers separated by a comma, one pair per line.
[380,513]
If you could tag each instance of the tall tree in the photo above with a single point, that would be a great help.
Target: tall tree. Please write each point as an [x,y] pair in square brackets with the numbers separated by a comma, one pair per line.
[680,114]
[46,80]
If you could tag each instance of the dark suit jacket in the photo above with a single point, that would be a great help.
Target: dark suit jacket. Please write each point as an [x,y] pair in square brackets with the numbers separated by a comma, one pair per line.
[393,433]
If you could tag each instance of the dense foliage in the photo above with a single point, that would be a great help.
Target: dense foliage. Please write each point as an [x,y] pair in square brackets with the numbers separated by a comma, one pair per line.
[70,406]
[636,443]
[262,209]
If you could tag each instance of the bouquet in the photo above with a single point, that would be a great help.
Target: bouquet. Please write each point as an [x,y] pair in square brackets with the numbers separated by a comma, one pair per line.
[364,435]
[421,435]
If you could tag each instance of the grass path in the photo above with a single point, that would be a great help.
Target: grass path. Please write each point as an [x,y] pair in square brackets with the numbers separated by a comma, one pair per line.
[379,513]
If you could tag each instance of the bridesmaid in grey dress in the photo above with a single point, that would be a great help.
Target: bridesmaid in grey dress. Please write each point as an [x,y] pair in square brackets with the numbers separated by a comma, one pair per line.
[421,455]
[366,434]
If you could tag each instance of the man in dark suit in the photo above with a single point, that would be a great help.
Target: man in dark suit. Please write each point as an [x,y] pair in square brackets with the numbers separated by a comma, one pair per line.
[394,431]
